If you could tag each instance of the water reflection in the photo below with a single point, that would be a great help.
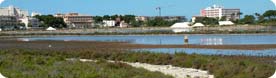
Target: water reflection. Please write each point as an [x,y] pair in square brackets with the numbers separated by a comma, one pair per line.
[23,39]
[173,39]
[211,41]
[268,52]
[178,30]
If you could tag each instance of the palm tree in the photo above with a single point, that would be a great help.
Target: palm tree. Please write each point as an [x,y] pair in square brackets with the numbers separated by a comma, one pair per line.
[239,14]
[232,16]
[257,14]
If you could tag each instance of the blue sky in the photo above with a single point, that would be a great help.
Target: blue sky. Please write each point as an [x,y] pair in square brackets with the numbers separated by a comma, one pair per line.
[137,7]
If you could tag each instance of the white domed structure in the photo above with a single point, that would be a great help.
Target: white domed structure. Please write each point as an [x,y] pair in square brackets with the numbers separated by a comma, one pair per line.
[51,29]
[198,25]
[181,27]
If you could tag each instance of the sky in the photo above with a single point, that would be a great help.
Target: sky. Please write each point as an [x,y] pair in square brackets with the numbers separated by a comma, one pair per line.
[137,7]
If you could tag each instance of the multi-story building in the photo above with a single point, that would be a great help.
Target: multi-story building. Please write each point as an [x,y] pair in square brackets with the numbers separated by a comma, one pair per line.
[75,20]
[30,22]
[8,22]
[166,18]
[174,18]
[13,11]
[11,16]
[219,12]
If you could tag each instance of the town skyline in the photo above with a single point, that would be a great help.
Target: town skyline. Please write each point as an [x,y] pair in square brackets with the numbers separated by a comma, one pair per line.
[140,8]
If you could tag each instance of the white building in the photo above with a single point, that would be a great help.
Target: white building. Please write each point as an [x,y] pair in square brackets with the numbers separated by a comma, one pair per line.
[25,21]
[15,16]
[123,24]
[30,22]
[76,20]
[13,11]
[109,23]
[141,18]
[219,12]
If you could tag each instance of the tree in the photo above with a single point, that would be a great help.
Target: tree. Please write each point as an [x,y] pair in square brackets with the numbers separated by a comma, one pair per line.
[98,19]
[257,14]
[208,21]
[270,14]
[239,13]
[137,23]
[50,20]
[260,18]
[248,19]
[114,17]
[129,18]
[223,18]
[159,21]
[106,17]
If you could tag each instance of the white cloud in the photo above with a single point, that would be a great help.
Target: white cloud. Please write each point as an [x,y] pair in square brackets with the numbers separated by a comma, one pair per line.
[274,1]
[1,1]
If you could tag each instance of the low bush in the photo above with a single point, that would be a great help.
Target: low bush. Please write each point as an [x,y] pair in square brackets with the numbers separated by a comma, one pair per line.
[35,64]
[220,66]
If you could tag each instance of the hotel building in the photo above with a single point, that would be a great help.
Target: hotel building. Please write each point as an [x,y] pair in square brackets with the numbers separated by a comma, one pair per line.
[219,12]
[75,20]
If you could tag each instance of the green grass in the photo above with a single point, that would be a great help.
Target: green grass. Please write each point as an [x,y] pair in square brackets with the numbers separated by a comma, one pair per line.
[31,65]
[220,66]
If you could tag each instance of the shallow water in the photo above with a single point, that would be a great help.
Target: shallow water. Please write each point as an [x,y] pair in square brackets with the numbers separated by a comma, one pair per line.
[268,52]
[179,39]
[173,39]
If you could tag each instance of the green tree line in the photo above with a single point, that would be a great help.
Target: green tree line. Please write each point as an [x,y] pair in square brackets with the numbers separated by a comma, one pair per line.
[51,21]
[131,20]
[268,19]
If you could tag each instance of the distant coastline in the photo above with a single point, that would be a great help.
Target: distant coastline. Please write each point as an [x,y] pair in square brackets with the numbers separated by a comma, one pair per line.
[145,31]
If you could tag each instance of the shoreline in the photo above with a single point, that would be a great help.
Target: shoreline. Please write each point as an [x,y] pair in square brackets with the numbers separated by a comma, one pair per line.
[147,31]
[99,34]
[20,36]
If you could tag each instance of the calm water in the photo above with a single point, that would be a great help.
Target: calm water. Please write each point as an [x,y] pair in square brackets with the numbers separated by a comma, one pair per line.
[268,52]
[174,39]
[179,39]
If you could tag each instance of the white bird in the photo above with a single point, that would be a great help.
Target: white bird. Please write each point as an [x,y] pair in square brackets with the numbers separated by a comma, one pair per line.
[50,46]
